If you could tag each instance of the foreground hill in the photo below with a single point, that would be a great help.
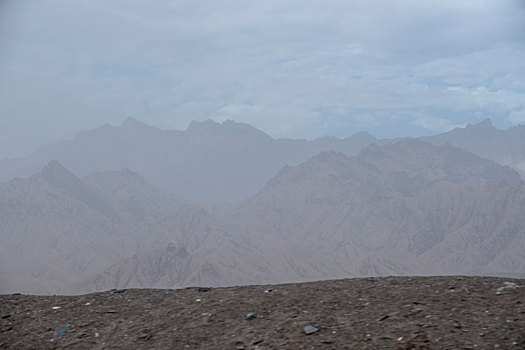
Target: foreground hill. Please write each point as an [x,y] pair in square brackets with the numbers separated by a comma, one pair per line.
[370,313]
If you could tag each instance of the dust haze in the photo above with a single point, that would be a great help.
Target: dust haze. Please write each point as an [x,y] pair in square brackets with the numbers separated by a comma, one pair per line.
[176,144]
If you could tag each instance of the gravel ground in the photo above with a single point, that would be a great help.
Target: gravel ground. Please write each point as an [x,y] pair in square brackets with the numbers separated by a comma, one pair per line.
[364,313]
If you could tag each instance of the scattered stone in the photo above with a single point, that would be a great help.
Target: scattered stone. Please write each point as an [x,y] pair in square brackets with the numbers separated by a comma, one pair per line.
[154,319]
[508,286]
[55,307]
[203,290]
[118,291]
[310,330]
[62,330]
[257,341]
[250,316]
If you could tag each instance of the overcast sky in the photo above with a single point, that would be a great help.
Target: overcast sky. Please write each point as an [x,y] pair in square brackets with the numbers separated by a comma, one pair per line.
[292,68]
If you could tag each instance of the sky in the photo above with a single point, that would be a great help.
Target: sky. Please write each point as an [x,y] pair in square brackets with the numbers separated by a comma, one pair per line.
[298,69]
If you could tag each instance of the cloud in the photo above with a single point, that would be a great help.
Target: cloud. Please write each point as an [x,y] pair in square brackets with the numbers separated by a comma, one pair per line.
[517,117]
[292,68]
[438,125]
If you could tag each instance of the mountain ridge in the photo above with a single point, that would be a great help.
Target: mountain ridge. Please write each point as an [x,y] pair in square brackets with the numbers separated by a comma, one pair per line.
[214,162]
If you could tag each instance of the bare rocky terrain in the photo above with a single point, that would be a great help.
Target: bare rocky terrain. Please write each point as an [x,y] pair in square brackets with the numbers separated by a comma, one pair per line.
[453,312]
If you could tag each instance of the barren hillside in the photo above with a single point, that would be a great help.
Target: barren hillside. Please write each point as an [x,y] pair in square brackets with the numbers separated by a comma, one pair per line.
[368,313]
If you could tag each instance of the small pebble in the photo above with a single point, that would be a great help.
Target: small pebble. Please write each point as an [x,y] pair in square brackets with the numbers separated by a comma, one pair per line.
[257,341]
[310,330]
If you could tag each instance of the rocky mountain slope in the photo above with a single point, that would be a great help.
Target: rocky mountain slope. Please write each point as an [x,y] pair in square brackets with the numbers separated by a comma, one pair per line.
[404,209]
[408,208]
[60,234]
[56,229]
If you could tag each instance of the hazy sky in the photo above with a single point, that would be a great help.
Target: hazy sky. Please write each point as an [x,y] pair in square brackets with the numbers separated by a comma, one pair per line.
[291,68]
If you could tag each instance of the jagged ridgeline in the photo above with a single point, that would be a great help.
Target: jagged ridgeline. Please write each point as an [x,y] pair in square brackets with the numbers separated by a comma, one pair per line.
[229,162]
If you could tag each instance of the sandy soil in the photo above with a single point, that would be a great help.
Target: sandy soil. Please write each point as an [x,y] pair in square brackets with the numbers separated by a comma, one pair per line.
[368,313]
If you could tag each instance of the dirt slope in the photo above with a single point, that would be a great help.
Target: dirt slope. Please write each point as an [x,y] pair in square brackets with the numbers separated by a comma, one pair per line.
[365,313]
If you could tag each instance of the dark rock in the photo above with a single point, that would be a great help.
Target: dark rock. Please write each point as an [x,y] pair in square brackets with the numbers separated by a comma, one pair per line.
[257,341]
[4,316]
[310,330]
[203,290]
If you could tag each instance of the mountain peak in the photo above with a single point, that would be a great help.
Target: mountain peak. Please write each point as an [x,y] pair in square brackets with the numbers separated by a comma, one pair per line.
[132,123]
[56,175]
[55,171]
[207,125]
[329,157]
[228,127]
[485,124]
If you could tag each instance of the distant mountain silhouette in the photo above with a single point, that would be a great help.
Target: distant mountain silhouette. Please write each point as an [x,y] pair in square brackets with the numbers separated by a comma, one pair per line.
[505,147]
[209,162]
[229,162]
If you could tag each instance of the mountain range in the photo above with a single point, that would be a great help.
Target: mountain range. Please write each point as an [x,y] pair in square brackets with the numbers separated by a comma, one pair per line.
[229,162]
[207,163]
[401,208]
